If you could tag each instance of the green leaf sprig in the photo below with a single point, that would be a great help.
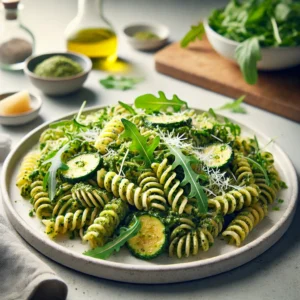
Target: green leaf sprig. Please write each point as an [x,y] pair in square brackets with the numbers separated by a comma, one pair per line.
[107,250]
[139,143]
[190,177]
[120,83]
[196,31]
[56,164]
[128,107]
[247,55]
[152,103]
[254,24]
[74,121]
[235,106]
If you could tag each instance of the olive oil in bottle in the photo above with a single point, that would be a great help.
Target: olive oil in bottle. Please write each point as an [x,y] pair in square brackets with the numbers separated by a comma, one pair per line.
[96,43]
[89,33]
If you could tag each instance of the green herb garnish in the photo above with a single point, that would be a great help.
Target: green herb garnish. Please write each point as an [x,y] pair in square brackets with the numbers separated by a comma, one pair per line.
[107,250]
[212,113]
[247,55]
[150,102]
[74,121]
[190,177]
[56,164]
[139,143]
[260,167]
[121,83]
[145,36]
[128,107]
[196,31]
[254,24]
[235,106]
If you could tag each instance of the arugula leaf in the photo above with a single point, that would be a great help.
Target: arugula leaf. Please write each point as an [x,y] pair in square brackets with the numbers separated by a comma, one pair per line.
[150,102]
[247,55]
[212,113]
[282,11]
[56,164]
[74,121]
[260,167]
[235,106]
[128,107]
[121,83]
[195,32]
[190,177]
[139,142]
[107,250]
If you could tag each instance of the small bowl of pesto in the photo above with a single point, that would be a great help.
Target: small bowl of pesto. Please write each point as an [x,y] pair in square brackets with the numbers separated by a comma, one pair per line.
[58,74]
[146,36]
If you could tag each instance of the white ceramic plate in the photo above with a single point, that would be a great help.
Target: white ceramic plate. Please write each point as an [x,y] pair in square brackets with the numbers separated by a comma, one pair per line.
[124,267]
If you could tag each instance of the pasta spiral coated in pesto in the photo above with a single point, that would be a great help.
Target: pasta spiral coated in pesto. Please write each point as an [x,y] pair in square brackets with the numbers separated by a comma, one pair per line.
[244,222]
[242,170]
[40,200]
[234,200]
[174,193]
[109,134]
[71,221]
[188,240]
[90,196]
[128,191]
[64,201]
[104,226]
[28,165]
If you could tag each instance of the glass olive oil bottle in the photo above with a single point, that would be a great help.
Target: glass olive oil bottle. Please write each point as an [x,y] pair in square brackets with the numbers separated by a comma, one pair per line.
[91,34]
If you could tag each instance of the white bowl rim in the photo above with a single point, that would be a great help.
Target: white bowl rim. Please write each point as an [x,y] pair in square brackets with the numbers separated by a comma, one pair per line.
[27,113]
[84,72]
[154,25]
[235,43]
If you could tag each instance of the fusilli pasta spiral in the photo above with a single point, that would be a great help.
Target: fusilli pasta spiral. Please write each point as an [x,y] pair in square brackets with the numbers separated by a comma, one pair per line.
[244,222]
[103,227]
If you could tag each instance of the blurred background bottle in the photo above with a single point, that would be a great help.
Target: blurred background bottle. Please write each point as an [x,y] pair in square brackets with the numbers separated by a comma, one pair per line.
[91,34]
[16,40]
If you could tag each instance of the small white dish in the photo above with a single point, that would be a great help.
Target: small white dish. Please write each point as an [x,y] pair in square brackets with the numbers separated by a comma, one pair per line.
[62,85]
[160,30]
[19,119]
[273,58]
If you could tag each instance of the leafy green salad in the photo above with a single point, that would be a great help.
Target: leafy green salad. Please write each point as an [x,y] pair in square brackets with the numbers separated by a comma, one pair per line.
[154,177]
[255,24]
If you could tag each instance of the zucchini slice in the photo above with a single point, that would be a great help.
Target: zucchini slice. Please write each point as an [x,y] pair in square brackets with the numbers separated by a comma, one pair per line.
[218,155]
[169,121]
[81,167]
[150,240]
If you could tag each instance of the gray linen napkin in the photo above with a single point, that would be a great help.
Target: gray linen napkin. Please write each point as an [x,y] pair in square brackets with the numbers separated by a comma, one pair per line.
[22,274]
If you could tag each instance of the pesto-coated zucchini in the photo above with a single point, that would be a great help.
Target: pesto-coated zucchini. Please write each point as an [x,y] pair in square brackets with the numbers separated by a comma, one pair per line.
[150,240]
[218,155]
[169,121]
[81,167]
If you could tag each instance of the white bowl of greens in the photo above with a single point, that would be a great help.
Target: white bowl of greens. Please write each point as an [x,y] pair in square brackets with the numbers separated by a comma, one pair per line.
[256,35]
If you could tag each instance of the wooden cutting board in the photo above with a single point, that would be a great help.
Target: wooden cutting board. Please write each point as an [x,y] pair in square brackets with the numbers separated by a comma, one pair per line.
[199,64]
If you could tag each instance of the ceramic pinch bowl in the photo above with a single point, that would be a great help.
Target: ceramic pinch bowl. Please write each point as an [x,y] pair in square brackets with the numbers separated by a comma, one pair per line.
[23,118]
[58,86]
[147,44]
[272,58]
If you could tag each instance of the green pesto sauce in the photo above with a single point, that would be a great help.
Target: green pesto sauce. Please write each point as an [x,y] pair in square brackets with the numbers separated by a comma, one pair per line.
[58,66]
[146,36]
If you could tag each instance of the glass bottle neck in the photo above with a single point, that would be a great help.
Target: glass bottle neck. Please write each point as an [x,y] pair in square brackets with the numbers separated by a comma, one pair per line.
[90,8]
[11,14]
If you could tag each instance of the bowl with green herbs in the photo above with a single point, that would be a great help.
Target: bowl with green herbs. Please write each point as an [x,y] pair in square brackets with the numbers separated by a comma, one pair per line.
[58,73]
[257,35]
[146,36]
